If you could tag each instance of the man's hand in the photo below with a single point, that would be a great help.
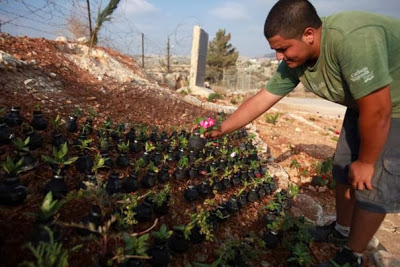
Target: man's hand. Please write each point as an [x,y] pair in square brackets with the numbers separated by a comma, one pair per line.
[360,175]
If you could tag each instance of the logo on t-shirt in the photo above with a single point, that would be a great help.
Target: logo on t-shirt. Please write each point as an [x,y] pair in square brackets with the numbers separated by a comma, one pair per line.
[363,73]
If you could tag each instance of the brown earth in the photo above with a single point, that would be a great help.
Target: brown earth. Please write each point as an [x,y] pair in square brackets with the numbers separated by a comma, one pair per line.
[288,140]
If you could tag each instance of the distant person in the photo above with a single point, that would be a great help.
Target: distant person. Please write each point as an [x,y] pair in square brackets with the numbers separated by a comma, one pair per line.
[351,58]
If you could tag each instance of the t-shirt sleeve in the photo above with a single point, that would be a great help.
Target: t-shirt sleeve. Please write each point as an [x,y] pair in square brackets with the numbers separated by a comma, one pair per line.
[363,59]
[283,81]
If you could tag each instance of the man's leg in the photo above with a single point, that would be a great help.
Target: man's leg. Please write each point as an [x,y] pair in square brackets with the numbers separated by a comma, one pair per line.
[363,227]
[345,202]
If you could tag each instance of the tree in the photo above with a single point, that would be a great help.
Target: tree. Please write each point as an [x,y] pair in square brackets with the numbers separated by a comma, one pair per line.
[104,16]
[221,55]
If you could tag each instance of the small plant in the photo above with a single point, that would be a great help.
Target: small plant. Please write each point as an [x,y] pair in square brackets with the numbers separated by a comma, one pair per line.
[84,144]
[98,163]
[293,190]
[128,214]
[22,145]
[11,167]
[325,167]
[214,96]
[136,245]
[183,141]
[320,180]
[59,158]
[163,234]
[272,118]
[162,196]
[183,162]
[152,167]
[149,147]
[200,219]
[49,253]
[301,255]
[77,112]
[49,208]
[227,172]
[124,147]
[56,123]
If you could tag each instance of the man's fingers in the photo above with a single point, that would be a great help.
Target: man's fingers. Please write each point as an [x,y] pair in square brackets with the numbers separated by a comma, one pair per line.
[360,186]
[368,185]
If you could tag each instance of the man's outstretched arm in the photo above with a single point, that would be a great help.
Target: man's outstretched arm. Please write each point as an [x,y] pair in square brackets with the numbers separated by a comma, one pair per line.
[247,112]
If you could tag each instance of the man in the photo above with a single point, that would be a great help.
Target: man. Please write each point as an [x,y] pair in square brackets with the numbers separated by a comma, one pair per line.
[351,58]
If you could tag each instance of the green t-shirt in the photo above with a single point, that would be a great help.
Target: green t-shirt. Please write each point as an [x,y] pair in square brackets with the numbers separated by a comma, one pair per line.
[360,53]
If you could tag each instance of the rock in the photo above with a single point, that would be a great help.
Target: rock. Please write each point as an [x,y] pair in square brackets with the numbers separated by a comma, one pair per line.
[30,82]
[265,264]
[91,98]
[309,208]
[373,243]
[61,39]
[52,74]
[385,259]
[82,40]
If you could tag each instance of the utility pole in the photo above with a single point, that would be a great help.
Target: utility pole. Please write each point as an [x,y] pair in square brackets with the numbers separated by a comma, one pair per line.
[143,50]
[90,18]
[168,62]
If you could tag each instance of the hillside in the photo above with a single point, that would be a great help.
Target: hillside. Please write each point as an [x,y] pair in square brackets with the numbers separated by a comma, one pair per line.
[62,77]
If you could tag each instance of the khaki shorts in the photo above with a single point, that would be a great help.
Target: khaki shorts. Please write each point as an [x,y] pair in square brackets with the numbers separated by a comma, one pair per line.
[385,196]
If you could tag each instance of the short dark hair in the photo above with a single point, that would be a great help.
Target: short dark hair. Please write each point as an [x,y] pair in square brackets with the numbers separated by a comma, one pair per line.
[289,19]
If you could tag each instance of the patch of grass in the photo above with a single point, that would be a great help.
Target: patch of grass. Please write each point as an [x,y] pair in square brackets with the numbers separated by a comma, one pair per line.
[272,118]
[335,138]
[214,96]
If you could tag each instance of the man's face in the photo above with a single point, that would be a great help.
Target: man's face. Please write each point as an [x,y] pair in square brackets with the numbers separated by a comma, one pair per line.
[293,51]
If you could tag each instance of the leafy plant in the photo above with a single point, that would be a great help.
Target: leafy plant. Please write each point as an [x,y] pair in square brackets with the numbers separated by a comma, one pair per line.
[38,107]
[163,234]
[293,190]
[301,255]
[148,147]
[92,113]
[22,145]
[98,163]
[49,254]
[214,96]
[59,157]
[11,167]
[77,112]
[135,245]
[272,118]
[127,210]
[49,208]
[123,147]
[200,219]
[183,162]
[162,196]
[84,144]
[56,123]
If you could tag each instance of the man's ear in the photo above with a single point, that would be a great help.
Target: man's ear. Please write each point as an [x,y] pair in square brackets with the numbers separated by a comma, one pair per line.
[309,35]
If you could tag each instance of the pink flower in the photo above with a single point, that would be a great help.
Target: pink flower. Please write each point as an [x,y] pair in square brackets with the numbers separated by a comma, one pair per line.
[207,123]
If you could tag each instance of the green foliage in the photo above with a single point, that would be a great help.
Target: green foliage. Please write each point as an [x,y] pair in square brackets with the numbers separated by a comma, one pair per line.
[183,162]
[233,248]
[127,219]
[148,147]
[301,255]
[221,55]
[162,196]
[84,144]
[11,167]
[92,113]
[214,96]
[59,157]
[49,208]
[56,123]
[124,147]
[293,190]
[325,167]
[22,145]
[49,254]
[163,234]
[200,219]
[77,112]
[272,118]
[136,245]
[98,163]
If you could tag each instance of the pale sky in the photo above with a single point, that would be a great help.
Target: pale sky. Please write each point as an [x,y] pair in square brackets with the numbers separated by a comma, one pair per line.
[160,19]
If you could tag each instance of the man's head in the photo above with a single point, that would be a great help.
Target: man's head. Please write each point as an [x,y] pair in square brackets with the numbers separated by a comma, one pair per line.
[292,28]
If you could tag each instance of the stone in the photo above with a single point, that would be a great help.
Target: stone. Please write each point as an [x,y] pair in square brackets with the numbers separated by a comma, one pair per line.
[30,82]
[385,259]
[309,208]
[373,243]
[61,39]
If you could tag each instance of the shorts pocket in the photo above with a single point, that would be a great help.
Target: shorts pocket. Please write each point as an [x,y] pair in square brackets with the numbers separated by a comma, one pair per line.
[389,183]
